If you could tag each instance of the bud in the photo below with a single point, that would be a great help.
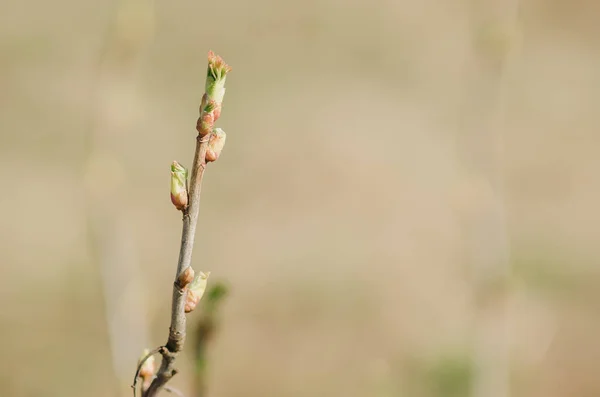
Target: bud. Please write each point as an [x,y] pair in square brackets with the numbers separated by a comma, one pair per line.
[186,277]
[215,145]
[179,195]
[206,121]
[215,78]
[195,291]
[148,368]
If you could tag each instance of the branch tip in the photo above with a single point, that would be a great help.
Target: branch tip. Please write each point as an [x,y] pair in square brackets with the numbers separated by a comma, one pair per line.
[185,195]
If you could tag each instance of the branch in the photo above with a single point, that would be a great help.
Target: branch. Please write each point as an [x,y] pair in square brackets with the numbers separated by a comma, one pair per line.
[187,289]
[178,321]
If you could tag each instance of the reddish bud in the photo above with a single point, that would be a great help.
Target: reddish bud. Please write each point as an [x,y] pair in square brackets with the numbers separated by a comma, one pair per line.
[186,277]
[205,124]
[195,291]
[147,370]
[191,301]
[215,145]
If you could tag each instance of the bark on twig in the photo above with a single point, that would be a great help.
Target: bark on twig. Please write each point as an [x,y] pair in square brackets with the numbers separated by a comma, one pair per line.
[178,321]
[188,290]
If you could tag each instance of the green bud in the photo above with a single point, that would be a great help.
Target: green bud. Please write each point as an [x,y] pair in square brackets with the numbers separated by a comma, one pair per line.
[179,194]
[215,145]
[215,77]
[195,291]
[148,368]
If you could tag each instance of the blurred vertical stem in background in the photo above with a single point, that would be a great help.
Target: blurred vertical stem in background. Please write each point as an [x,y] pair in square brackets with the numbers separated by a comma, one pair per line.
[204,332]
[494,28]
[112,113]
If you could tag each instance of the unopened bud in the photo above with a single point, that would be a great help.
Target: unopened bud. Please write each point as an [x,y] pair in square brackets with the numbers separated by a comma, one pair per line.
[195,291]
[205,123]
[186,277]
[148,368]
[179,194]
[215,145]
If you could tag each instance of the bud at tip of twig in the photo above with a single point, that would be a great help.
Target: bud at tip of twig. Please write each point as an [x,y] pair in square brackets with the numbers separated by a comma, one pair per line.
[179,194]
[216,76]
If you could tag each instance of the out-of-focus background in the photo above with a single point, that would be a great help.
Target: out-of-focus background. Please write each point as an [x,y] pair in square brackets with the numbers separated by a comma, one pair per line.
[406,205]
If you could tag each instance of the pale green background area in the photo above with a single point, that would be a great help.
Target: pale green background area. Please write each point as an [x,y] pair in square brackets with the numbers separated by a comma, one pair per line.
[334,213]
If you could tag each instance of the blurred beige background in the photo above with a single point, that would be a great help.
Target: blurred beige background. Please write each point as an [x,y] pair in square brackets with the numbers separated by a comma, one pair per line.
[388,164]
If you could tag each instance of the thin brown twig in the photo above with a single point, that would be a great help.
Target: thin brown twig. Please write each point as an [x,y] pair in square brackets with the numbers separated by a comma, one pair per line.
[186,197]
[178,321]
